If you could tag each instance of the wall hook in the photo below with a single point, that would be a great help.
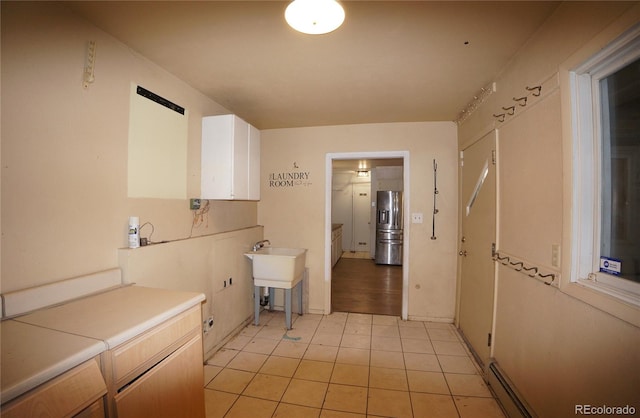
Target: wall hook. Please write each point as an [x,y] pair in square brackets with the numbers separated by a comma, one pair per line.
[518,263]
[435,193]
[553,278]
[500,117]
[535,90]
[510,110]
[522,101]
[90,63]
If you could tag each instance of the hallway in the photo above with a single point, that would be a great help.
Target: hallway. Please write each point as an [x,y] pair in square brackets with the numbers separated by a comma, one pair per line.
[359,285]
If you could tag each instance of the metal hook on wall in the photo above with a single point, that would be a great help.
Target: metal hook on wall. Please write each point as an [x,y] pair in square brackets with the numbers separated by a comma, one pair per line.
[435,193]
[520,266]
[500,117]
[510,110]
[553,277]
[518,263]
[535,90]
[522,101]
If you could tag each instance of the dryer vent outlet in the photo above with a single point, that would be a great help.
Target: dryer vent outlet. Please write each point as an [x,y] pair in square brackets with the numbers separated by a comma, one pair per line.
[207,324]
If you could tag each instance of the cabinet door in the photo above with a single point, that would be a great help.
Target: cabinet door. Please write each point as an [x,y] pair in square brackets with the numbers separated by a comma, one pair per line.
[172,389]
[62,396]
[240,180]
[224,159]
[230,162]
[95,410]
[254,163]
[216,158]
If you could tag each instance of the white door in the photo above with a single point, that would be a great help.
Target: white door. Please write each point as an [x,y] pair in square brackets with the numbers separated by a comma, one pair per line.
[478,235]
[361,216]
[341,203]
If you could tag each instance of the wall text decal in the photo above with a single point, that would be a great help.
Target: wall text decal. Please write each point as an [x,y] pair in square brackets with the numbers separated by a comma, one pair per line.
[289,179]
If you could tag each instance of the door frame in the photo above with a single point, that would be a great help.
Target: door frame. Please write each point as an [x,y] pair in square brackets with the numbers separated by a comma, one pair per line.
[330,157]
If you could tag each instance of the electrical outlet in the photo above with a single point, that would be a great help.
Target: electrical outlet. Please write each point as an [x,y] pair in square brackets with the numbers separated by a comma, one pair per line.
[416,218]
[555,255]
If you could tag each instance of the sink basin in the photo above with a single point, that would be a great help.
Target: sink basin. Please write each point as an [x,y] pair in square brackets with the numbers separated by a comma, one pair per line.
[277,266]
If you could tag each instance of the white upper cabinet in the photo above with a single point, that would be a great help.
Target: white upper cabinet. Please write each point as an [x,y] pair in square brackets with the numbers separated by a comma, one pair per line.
[230,159]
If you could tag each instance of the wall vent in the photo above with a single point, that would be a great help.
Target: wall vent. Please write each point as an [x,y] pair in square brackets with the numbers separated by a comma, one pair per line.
[509,399]
[160,100]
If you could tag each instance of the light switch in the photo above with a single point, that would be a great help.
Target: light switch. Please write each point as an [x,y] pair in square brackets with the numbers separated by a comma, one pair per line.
[416,218]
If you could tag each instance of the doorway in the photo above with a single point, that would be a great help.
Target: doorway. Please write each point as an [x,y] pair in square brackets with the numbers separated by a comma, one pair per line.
[360,234]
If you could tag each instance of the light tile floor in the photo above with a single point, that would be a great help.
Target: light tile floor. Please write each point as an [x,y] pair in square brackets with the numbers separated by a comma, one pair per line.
[346,365]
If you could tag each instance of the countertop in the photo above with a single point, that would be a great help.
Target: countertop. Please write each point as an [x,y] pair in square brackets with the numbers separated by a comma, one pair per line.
[32,355]
[46,343]
[335,226]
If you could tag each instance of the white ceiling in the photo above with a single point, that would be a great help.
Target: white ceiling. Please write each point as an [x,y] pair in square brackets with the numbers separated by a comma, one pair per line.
[391,61]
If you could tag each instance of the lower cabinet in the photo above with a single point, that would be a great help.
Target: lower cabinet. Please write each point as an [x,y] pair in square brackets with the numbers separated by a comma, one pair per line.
[159,373]
[77,393]
[336,245]
[173,388]
[95,410]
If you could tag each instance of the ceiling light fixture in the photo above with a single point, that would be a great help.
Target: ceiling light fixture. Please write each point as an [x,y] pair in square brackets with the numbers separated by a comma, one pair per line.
[314,17]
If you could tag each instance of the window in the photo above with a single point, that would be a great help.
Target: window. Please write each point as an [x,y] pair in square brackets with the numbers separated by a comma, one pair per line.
[606,190]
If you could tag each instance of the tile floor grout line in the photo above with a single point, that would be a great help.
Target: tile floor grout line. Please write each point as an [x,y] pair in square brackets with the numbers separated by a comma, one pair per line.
[316,329]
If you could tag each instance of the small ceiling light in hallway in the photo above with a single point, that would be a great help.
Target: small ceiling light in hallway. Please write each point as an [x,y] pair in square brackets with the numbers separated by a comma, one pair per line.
[314,17]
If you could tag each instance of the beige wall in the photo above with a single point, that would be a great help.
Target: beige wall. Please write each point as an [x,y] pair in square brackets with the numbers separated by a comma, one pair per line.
[64,150]
[555,345]
[295,216]
[213,264]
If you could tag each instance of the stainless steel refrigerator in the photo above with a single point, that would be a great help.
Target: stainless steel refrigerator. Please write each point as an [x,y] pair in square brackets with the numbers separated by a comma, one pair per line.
[389,228]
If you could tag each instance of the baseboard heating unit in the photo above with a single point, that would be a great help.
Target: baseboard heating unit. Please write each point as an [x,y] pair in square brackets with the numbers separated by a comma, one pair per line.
[513,404]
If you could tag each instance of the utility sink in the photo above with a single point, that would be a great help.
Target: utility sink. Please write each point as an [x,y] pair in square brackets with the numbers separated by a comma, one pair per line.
[277,266]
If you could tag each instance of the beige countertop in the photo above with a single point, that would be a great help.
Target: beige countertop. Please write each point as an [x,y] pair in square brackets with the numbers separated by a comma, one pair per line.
[41,345]
[335,226]
[32,355]
[115,316]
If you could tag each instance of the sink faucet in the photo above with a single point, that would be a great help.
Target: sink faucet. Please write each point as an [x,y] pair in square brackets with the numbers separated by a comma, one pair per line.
[261,244]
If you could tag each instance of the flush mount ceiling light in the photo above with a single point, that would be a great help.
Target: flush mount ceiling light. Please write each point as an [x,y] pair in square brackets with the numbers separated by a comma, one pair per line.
[314,17]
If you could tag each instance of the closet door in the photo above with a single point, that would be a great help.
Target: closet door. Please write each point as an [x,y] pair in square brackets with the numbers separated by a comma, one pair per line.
[478,235]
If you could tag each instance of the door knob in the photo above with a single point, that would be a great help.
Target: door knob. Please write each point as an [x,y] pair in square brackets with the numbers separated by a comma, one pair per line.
[463,253]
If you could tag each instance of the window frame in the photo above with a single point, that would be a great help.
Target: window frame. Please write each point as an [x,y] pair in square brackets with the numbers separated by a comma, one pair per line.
[584,84]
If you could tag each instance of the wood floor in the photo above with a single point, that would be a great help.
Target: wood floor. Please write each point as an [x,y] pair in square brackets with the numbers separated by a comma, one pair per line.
[359,285]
